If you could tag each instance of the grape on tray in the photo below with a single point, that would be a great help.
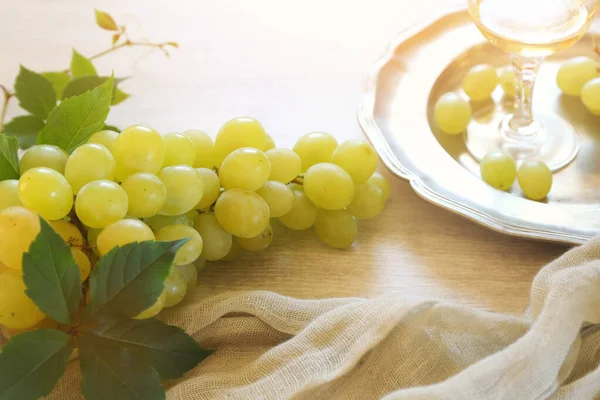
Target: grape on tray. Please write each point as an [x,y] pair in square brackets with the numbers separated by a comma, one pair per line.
[139,186]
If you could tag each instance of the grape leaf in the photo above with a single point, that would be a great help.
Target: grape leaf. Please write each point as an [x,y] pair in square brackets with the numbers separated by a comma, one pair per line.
[84,83]
[74,120]
[112,372]
[105,21]
[25,128]
[81,66]
[59,80]
[116,38]
[34,92]
[169,350]
[32,363]
[119,96]
[52,277]
[9,157]
[129,279]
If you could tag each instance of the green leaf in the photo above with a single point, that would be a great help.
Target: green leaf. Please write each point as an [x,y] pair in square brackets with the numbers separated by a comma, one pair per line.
[111,128]
[59,80]
[74,120]
[25,128]
[169,350]
[112,372]
[35,93]
[129,279]
[9,157]
[119,96]
[82,84]
[32,363]
[81,66]
[52,277]
[105,21]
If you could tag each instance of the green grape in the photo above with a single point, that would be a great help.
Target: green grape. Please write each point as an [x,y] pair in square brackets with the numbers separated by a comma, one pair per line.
[217,242]
[184,189]
[138,149]
[480,82]
[590,95]
[508,81]
[46,191]
[257,243]
[535,179]
[357,158]
[200,264]
[204,146]
[336,228]
[9,194]
[379,180]
[237,133]
[160,221]
[285,165]
[101,203]
[175,288]
[452,113]
[303,213]
[83,262]
[18,228]
[190,274]
[44,155]
[498,169]
[89,162]
[146,193]
[234,253]
[575,73]
[121,233]
[17,310]
[212,188]
[106,138]
[154,309]
[328,186]
[132,217]
[68,232]
[180,150]
[192,214]
[189,252]
[314,148]
[368,201]
[278,197]
[269,143]
[245,168]
[242,213]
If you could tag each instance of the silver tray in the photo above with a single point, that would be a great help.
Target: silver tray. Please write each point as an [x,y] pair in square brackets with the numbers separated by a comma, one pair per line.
[395,113]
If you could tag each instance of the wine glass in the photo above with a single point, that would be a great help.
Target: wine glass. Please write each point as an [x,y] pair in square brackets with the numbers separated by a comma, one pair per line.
[529,30]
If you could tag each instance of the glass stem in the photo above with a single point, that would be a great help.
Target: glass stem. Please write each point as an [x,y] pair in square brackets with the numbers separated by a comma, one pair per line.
[526,69]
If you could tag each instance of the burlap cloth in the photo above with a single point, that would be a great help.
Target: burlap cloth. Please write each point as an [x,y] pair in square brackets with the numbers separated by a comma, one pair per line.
[394,347]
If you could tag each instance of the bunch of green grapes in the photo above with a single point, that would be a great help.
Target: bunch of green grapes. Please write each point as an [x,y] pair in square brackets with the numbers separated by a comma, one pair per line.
[138,185]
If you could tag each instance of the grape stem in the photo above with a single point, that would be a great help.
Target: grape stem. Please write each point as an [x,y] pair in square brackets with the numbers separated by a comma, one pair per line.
[128,43]
[7,96]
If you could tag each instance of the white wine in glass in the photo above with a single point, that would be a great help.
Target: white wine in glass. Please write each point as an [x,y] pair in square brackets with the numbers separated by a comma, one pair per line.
[530,30]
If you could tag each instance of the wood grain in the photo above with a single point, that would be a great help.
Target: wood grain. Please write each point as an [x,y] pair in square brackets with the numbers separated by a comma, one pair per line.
[297,66]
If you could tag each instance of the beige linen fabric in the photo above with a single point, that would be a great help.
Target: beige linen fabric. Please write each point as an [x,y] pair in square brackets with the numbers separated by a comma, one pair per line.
[394,347]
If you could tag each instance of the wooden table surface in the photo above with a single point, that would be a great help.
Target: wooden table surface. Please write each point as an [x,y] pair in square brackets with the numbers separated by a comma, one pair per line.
[297,66]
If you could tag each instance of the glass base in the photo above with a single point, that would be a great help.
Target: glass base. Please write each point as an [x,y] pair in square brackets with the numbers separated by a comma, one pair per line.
[549,139]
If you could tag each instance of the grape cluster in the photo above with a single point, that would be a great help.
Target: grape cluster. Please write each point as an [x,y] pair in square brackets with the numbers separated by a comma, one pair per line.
[137,185]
